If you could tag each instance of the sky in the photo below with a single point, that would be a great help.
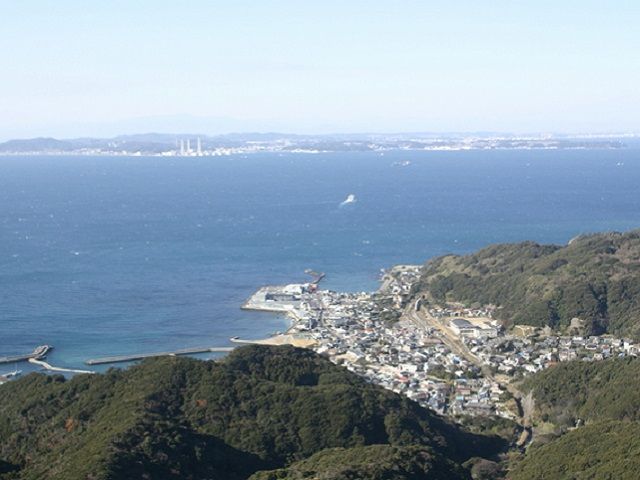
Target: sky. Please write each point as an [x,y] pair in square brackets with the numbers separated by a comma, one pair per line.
[76,67]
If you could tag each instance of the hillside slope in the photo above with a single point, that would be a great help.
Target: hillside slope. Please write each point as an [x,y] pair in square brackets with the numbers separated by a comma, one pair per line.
[595,278]
[604,450]
[374,462]
[603,399]
[262,408]
[587,391]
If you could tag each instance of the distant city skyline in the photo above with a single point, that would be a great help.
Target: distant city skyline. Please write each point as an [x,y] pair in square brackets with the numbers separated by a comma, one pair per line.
[73,69]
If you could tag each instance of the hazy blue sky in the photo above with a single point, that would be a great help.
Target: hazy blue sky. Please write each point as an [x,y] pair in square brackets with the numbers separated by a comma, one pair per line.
[78,67]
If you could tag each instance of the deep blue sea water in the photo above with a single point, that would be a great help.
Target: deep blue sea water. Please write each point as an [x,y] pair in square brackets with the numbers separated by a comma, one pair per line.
[114,255]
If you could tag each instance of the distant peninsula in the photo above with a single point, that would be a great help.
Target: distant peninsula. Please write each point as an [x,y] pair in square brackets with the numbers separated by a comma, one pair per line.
[162,144]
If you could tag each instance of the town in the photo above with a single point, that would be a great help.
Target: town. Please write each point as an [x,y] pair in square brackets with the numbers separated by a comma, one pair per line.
[455,360]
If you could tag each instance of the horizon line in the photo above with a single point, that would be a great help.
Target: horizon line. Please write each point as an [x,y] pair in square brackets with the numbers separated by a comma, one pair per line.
[578,134]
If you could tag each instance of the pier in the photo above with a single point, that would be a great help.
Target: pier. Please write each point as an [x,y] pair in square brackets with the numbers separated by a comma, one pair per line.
[317,276]
[51,368]
[142,356]
[38,353]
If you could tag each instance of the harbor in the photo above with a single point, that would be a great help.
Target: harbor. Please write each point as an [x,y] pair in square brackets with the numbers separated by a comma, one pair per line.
[38,353]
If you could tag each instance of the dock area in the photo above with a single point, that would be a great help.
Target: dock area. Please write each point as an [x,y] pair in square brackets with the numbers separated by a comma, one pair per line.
[51,368]
[282,299]
[142,356]
[39,352]
[272,299]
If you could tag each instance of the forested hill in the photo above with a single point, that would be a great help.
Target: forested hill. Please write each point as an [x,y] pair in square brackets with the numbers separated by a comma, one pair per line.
[260,409]
[587,391]
[595,278]
[586,423]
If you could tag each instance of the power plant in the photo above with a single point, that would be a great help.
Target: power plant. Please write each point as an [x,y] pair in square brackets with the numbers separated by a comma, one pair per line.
[185,150]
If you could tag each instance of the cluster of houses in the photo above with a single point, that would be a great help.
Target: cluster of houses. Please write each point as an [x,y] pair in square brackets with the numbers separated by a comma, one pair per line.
[397,282]
[479,396]
[517,356]
[355,330]
[526,350]
[351,330]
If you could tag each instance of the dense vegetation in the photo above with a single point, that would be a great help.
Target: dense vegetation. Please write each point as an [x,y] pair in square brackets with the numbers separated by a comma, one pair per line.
[595,278]
[375,462]
[586,415]
[601,451]
[262,408]
[587,391]
[603,400]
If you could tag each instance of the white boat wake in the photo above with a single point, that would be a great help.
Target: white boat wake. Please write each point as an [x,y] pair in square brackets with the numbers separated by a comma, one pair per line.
[351,198]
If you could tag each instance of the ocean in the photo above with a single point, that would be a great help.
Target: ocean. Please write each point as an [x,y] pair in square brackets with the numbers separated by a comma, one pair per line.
[116,255]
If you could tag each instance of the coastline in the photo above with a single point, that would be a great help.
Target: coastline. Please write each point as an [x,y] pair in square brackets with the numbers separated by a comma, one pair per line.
[194,298]
[287,300]
[258,303]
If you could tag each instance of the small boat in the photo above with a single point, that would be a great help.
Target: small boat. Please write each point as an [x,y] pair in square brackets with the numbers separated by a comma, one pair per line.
[15,373]
[404,163]
[5,377]
[351,198]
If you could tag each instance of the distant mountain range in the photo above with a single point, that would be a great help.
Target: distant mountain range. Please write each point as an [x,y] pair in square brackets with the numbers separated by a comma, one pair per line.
[195,144]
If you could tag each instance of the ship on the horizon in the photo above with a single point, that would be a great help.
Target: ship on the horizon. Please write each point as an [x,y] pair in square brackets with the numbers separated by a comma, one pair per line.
[404,163]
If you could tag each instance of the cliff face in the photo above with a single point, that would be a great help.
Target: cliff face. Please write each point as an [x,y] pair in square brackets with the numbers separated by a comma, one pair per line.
[595,278]
[262,408]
